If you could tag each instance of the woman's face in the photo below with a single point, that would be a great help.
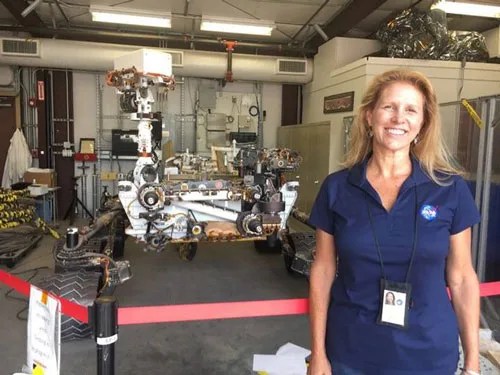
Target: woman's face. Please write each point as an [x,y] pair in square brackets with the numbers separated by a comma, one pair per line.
[389,298]
[396,118]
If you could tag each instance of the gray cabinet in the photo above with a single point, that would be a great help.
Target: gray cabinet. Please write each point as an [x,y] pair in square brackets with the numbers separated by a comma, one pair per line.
[312,141]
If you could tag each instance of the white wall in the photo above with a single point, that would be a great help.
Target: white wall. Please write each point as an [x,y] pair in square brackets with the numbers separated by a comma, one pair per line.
[85,105]
[447,77]
[450,80]
[493,41]
[85,91]
[245,94]
[271,103]
[354,80]
[338,53]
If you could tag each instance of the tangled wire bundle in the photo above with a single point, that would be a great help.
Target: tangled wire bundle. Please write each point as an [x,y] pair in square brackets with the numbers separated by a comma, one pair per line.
[19,238]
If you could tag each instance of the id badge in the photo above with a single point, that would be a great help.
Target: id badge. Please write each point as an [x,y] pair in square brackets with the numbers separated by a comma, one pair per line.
[394,303]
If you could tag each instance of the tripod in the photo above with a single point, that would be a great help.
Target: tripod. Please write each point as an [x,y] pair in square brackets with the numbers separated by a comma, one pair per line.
[74,203]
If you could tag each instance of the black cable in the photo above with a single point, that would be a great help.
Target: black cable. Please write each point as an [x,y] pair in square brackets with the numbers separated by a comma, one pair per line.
[190,211]
[19,238]
[23,299]
[154,156]
[118,163]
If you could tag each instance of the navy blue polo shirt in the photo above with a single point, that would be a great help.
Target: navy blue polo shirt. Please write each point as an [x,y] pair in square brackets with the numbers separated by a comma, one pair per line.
[430,343]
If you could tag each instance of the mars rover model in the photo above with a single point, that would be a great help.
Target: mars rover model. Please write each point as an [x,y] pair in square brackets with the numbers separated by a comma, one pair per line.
[251,204]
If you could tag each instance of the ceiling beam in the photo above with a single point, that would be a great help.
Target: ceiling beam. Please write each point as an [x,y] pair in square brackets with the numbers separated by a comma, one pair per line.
[348,18]
[15,7]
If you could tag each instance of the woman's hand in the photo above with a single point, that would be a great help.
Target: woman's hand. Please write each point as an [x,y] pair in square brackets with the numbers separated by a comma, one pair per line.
[469,372]
[319,365]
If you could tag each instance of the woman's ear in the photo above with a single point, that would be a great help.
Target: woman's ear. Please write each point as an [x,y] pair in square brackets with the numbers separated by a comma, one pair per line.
[368,117]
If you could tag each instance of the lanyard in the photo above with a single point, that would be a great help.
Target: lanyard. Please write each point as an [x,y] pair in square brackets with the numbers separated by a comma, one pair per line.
[415,235]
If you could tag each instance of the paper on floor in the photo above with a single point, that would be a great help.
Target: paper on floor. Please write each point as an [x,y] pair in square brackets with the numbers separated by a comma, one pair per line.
[294,350]
[289,360]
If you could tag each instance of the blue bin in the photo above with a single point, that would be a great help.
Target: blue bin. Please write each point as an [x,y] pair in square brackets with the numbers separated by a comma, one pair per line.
[43,209]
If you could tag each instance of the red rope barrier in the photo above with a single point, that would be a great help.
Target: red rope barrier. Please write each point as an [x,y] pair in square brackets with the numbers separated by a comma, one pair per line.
[489,289]
[209,311]
[68,308]
[200,311]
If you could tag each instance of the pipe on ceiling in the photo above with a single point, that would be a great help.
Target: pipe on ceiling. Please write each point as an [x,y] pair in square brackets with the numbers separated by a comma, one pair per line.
[320,31]
[30,8]
[310,19]
[100,57]
[91,34]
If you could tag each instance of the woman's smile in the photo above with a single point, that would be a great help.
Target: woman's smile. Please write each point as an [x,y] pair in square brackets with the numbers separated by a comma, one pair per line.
[396,118]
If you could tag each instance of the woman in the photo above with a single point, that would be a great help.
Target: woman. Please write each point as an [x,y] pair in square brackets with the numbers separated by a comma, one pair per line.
[397,219]
[390,299]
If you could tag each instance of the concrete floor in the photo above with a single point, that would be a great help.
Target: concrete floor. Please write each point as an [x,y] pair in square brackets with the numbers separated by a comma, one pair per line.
[219,273]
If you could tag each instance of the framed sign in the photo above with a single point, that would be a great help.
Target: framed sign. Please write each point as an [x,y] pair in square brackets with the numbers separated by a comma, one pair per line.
[339,102]
[87,145]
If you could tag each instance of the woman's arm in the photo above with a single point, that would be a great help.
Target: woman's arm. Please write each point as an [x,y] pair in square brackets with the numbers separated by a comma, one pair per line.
[464,288]
[322,275]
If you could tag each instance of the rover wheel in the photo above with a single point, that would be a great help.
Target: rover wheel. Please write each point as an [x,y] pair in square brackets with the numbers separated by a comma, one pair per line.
[187,251]
[118,238]
[270,244]
[77,286]
[288,260]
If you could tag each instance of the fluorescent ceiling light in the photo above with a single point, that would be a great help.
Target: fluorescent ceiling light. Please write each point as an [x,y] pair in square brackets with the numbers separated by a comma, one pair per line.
[130,16]
[237,25]
[468,9]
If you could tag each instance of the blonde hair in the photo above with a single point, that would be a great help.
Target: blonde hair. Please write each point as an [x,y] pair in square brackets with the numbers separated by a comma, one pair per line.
[430,150]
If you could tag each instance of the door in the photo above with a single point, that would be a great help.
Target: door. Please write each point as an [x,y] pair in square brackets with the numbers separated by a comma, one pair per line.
[312,141]
[55,126]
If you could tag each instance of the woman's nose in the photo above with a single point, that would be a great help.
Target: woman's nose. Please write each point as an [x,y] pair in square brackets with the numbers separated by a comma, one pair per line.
[398,115]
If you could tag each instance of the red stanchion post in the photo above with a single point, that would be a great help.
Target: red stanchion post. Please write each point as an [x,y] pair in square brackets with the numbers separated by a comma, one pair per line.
[103,317]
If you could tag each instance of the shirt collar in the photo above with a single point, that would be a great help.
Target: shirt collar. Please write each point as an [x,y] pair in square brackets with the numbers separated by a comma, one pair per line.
[357,174]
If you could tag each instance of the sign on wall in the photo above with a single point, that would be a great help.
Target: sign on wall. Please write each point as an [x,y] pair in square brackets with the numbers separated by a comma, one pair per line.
[339,102]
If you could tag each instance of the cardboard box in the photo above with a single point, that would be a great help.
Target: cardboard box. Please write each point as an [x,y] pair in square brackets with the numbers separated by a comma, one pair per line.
[41,176]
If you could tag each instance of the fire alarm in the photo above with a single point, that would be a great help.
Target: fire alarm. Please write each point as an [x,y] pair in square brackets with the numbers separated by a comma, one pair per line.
[32,102]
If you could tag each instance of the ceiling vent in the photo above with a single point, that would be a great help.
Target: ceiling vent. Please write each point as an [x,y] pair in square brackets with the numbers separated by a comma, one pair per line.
[20,47]
[287,66]
[177,57]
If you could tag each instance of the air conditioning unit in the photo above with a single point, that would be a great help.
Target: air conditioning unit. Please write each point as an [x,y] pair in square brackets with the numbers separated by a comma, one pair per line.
[177,57]
[20,47]
[291,66]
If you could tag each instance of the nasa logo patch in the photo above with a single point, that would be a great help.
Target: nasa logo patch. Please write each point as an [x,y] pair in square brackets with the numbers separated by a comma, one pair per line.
[428,212]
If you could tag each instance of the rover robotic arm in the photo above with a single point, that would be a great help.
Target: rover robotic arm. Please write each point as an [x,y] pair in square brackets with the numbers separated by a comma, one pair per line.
[136,98]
